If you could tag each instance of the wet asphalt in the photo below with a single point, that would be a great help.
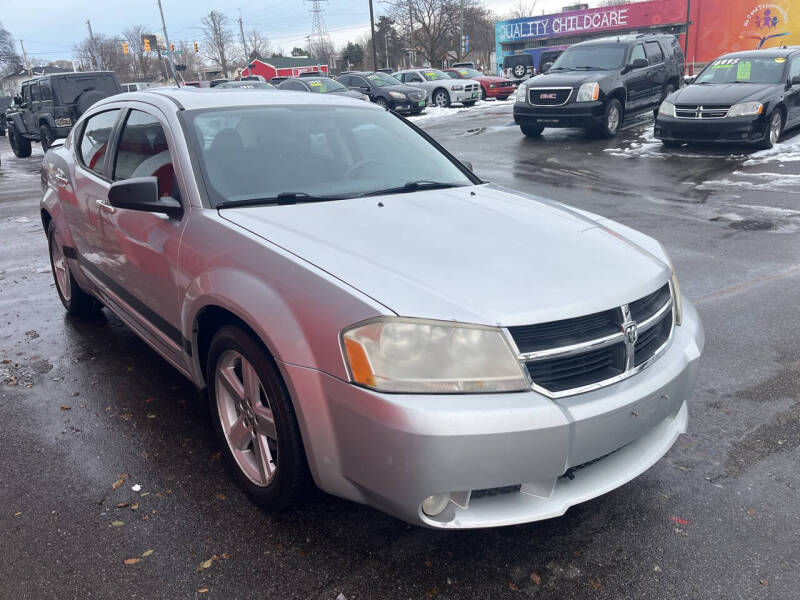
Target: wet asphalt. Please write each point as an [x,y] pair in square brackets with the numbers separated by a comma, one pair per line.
[85,405]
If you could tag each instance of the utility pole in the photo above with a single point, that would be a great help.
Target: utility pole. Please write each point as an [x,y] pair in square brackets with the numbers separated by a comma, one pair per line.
[686,35]
[98,60]
[166,42]
[386,43]
[372,30]
[244,40]
[461,29]
[410,34]
[25,59]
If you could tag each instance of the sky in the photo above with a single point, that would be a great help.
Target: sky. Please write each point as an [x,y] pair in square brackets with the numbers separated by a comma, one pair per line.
[51,29]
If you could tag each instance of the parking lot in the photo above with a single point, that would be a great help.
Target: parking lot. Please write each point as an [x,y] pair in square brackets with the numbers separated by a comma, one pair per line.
[108,455]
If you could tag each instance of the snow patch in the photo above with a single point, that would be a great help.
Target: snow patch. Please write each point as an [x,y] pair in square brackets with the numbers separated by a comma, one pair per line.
[787,151]
[437,112]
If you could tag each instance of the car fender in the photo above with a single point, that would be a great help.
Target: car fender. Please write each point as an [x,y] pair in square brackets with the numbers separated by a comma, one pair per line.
[47,119]
[15,119]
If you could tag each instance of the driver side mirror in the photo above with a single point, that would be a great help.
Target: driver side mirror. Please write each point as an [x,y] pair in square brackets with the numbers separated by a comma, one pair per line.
[794,81]
[638,63]
[364,89]
[689,79]
[141,193]
[467,164]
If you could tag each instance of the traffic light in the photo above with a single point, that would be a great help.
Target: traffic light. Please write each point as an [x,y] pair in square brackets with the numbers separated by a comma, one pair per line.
[171,47]
[146,45]
[125,47]
[196,48]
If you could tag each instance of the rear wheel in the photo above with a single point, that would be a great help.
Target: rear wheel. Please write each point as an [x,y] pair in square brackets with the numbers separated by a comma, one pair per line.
[254,420]
[532,130]
[19,145]
[75,300]
[612,118]
[774,130]
[46,136]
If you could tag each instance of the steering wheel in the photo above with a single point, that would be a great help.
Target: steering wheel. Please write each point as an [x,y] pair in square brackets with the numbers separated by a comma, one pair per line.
[359,165]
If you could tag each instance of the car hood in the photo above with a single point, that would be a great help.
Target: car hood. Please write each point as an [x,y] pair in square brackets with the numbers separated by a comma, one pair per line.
[405,89]
[568,78]
[475,254]
[722,93]
[490,79]
[348,93]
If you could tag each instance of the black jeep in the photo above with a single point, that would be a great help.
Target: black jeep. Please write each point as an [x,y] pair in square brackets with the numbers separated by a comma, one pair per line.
[48,106]
[5,103]
[597,84]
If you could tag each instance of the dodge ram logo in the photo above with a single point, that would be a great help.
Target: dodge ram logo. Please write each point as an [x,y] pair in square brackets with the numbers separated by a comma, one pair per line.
[631,331]
[547,96]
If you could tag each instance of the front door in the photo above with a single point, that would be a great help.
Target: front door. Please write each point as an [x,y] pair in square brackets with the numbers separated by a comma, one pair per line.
[793,94]
[140,249]
[28,115]
[658,73]
[638,81]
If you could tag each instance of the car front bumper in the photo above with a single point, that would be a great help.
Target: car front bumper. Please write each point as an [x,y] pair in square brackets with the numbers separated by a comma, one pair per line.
[409,106]
[726,130]
[391,451]
[573,114]
[503,92]
[465,96]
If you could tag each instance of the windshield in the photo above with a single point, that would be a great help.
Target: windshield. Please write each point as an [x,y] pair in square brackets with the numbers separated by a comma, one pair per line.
[69,88]
[601,58]
[259,152]
[324,85]
[382,79]
[247,85]
[468,73]
[434,74]
[747,69]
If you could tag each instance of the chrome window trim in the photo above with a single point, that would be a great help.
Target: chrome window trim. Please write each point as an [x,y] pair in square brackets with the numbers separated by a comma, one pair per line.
[630,368]
[531,89]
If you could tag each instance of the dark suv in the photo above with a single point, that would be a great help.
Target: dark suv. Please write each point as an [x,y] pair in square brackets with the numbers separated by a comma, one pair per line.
[599,83]
[48,106]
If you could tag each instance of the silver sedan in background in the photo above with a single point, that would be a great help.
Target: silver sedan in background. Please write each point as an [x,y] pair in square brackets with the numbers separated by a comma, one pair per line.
[442,89]
[364,312]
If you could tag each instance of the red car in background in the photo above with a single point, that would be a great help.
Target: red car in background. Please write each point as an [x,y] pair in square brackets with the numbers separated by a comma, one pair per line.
[491,87]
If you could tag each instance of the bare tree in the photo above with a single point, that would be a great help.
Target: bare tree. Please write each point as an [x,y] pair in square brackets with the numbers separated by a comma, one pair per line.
[219,39]
[257,45]
[521,9]
[10,61]
[142,63]
[433,21]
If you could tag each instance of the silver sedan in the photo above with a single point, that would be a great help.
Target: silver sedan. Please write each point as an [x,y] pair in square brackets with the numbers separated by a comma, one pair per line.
[442,89]
[367,315]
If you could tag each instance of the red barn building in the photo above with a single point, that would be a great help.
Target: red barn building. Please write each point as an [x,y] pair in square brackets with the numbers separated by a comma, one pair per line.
[285,66]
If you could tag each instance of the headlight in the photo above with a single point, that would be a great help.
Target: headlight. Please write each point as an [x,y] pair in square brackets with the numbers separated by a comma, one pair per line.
[395,354]
[676,290]
[588,92]
[492,86]
[667,109]
[522,93]
[457,87]
[397,95]
[746,108]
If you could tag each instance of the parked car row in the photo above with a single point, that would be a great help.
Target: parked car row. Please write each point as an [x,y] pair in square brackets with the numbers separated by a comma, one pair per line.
[747,97]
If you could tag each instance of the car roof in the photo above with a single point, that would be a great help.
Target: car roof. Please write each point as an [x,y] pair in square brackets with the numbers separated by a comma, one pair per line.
[191,98]
[621,39]
[766,52]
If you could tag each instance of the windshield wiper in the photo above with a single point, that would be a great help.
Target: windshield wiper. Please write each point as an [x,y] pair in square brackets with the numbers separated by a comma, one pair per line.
[281,199]
[412,186]
[589,68]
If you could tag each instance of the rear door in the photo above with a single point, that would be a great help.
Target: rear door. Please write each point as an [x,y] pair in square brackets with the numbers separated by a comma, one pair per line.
[139,254]
[638,80]
[658,72]
[28,116]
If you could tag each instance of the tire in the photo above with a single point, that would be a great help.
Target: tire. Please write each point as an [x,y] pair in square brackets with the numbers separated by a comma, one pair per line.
[668,89]
[483,94]
[469,103]
[270,465]
[2,130]
[76,302]
[532,130]
[46,137]
[19,145]
[774,130]
[382,103]
[519,71]
[85,100]
[612,118]
[441,98]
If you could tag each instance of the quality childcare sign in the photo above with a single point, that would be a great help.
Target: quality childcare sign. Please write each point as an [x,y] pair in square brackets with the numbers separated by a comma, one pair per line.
[642,14]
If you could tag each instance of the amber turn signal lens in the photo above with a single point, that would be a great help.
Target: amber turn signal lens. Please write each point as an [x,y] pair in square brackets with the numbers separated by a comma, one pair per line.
[360,368]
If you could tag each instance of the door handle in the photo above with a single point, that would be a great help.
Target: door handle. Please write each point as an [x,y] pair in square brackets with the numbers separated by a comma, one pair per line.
[105,206]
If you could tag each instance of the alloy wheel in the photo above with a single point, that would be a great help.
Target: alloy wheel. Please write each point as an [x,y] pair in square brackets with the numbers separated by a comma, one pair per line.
[60,269]
[613,119]
[775,128]
[441,99]
[246,417]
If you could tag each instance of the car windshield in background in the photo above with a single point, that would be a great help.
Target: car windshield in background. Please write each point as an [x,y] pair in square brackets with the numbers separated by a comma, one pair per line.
[382,79]
[246,85]
[761,69]
[324,85]
[601,58]
[69,88]
[435,74]
[254,154]
[468,73]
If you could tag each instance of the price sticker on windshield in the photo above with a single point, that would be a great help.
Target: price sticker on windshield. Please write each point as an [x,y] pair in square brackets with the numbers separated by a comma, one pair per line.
[743,71]
[780,59]
[724,63]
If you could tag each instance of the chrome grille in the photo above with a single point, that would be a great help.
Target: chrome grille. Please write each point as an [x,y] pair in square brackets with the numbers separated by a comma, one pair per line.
[549,96]
[578,355]
[702,111]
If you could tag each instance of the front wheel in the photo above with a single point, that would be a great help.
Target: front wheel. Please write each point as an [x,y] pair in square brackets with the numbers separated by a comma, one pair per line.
[441,98]
[468,103]
[483,94]
[532,130]
[774,130]
[254,420]
[382,103]
[75,300]
[46,136]
[612,117]
[20,146]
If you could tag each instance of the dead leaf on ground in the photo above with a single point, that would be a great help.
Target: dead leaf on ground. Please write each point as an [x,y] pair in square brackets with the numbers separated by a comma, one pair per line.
[225,555]
[204,565]
[513,586]
[151,415]
[135,506]
[122,505]
[215,456]
[428,564]
[535,578]
[119,481]
[147,553]
[596,585]
[65,407]
[751,511]
[132,561]
[117,523]
[202,590]
[220,496]
[763,582]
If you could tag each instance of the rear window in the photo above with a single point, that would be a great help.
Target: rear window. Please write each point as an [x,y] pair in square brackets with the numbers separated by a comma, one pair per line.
[69,88]
[654,54]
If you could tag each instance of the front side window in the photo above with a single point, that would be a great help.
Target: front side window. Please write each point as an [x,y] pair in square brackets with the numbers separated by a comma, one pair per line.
[45,92]
[591,58]
[259,152]
[34,92]
[143,152]
[637,52]
[434,74]
[26,94]
[382,79]
[324,85]
[95,139]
